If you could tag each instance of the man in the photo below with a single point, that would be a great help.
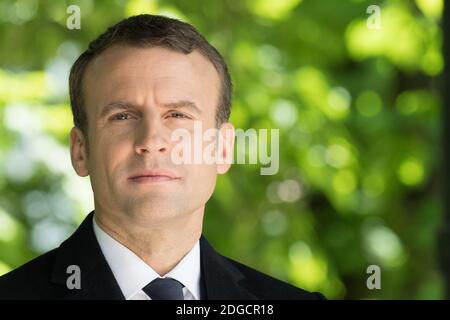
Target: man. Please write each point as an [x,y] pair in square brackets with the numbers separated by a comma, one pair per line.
[136,84]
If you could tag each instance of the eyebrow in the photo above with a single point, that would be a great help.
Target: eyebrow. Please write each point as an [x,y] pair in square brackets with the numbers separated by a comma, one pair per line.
[183,104]
[123,105]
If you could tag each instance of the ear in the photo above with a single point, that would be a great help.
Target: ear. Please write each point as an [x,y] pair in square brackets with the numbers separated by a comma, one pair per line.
[78,152]
[225,147]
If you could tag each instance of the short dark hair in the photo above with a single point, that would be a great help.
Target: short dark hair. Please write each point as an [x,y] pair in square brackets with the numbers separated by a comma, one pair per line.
[148,31]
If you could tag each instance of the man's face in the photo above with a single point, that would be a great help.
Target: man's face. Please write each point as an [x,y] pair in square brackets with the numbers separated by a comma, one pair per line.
[135,98]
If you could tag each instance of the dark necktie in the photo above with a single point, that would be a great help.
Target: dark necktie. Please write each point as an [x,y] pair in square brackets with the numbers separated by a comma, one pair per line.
[164,289]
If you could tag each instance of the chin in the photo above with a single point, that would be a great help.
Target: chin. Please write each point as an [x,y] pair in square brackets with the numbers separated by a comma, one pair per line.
[152,212]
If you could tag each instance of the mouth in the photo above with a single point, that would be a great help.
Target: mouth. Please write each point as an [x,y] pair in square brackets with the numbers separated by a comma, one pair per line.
[153,176]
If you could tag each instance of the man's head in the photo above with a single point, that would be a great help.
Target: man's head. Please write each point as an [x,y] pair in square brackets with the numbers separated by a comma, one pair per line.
[139,81]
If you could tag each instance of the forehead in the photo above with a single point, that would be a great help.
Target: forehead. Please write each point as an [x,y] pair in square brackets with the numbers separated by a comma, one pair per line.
[150,76]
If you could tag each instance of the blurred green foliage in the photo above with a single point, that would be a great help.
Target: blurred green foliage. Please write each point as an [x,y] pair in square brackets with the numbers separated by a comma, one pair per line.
[358,112]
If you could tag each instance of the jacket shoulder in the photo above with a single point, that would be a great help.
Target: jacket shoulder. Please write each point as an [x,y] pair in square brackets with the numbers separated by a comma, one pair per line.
[267,287]
[29,281]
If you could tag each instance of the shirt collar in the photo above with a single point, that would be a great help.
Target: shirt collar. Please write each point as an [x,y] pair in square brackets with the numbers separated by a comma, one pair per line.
[132,273]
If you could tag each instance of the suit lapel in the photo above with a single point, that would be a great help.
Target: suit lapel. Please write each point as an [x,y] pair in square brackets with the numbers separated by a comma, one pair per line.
[221,279]
[83,250]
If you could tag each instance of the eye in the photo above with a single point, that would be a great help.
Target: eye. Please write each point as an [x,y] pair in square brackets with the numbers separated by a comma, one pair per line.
[178,115]
[120,116]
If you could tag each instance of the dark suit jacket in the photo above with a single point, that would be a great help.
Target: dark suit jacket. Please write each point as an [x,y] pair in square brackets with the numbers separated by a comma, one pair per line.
[45,277]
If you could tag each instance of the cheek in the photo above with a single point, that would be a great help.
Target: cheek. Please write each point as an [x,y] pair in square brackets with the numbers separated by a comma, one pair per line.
[204,177]
[110,153]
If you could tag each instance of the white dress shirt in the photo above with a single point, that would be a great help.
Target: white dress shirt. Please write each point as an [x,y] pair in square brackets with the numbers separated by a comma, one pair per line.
[133,274]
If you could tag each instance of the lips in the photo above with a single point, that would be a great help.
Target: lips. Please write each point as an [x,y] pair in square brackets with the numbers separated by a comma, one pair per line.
[154,175]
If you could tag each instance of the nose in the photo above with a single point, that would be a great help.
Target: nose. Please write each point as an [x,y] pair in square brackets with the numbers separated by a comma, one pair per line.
[151,137]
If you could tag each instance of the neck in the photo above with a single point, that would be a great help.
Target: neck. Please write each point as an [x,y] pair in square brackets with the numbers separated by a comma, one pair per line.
[160,247]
